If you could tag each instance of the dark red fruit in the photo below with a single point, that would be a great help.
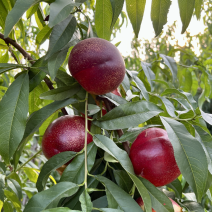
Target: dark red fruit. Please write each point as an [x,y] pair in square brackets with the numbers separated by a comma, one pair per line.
[152,156]
[97,65]
[67,133]
[139,200]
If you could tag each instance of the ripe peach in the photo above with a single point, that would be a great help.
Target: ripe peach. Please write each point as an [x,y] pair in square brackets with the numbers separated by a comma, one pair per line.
[97,65]
[152,156]
[67,133]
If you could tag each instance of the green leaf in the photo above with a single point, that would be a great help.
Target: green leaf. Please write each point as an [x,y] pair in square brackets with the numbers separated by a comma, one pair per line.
[186,11]
[61,209]
[8,66]
[61,35]
[43,35]
[14,199]
[150,75]
[86,203]
[207,117]
[141,87]
[159,12]
[116,100]
[4,58]
[3,14]
[160,201]
[171,63]
[198,4]
[31,10]
[185,95]
[135,11]
[133,133]
[176,187]
[193,206]
[15,14]
[7,207]
[124,200]
[38,117]
[110,147]
[2,167]
[123,180]
[189,155]
[60,10]
[16,188]
[206,141]
[75,171]
[103,18]
[39,18]
[31,174]
[128,115]
[56,60]
[13,113]
[117,6]
[2,185]
[110,210]
[52,164]
[50,198]
[61,93]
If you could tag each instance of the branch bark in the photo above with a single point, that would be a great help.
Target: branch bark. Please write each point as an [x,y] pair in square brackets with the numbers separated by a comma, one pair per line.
[31,60]
[125,144]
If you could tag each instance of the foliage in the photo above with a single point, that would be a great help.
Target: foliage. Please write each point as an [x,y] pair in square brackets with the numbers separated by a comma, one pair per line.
[35,89]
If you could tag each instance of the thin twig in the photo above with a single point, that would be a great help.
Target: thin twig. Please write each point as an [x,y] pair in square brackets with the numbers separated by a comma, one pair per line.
[30,59]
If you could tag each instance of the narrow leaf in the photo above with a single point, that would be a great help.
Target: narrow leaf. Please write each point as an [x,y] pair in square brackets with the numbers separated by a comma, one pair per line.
[135,11]
[75,171]
[20,7]
[124,200]
[103,18]
[186,11]
[159,12]
[160,201]
[52,164]
[171,63]
[61,35]
[117,6]
[150,75]
[61,93]
[189,155]
[198,5]
[128,115]
[43,35]
[207,117]
[86,203]
[38,117]
[141,87]
[50,198]
[60,10]
[13,113]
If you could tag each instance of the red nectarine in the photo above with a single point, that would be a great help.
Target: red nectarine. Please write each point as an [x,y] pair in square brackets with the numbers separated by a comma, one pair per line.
[97,65]
[152,156]
[67,133]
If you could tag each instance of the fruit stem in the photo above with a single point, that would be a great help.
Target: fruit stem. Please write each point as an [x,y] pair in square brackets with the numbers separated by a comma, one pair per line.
[86,129]
[20,167]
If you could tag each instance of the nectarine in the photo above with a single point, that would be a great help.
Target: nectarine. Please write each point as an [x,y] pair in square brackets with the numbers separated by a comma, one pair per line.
[67,133]
[152,156]
[97,65]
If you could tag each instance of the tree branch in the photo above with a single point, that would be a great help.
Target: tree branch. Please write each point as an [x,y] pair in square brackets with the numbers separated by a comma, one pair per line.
[109,107]
[31,60]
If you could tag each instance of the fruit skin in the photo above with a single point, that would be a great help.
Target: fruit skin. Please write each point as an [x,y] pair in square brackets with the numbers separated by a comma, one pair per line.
[97,65]
[139,200]
[116,92]
[152,156]
[67,133]
[176,207]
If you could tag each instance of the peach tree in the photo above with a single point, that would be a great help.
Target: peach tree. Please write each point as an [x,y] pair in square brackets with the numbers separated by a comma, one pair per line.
[37,88]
